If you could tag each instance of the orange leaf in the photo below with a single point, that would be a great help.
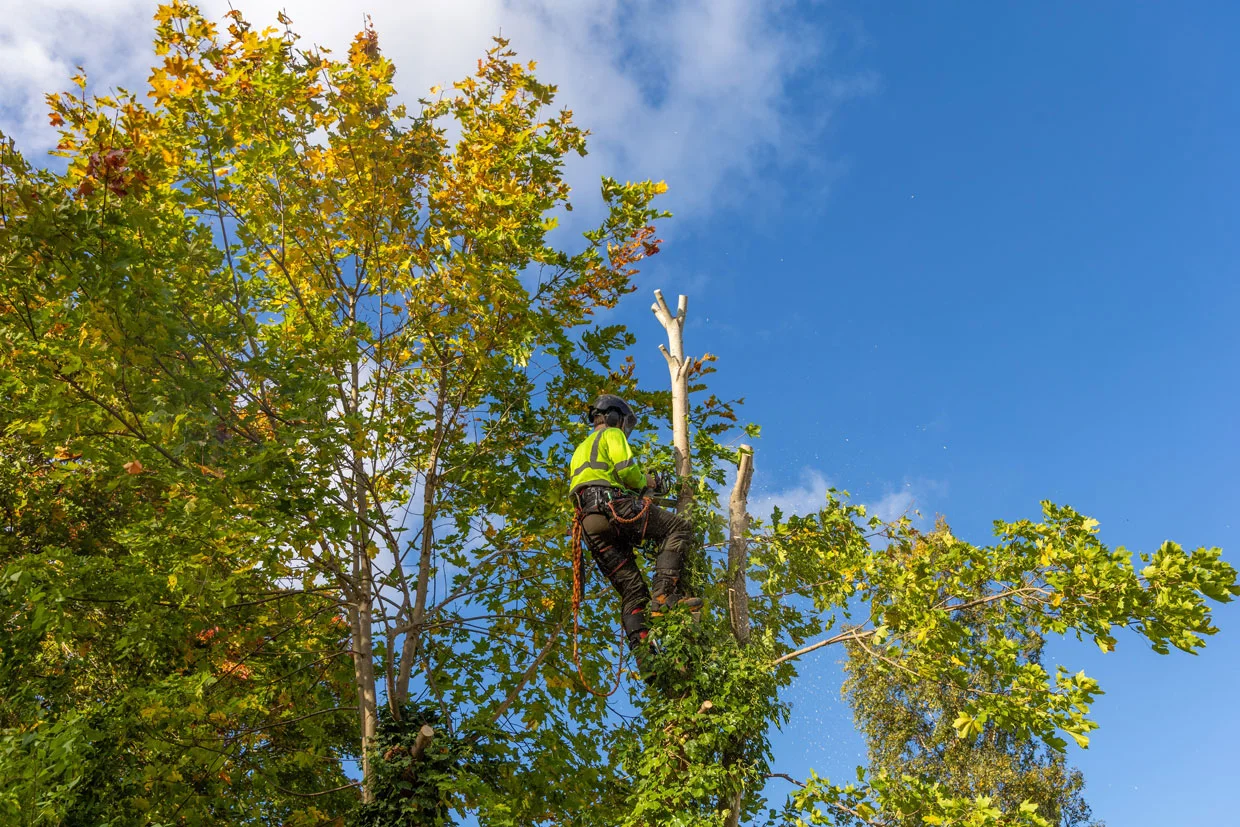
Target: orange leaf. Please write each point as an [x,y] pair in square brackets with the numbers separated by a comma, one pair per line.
[133,467]
[219,475]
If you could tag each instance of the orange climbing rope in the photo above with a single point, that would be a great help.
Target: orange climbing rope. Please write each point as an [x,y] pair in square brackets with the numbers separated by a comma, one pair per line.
[577,547]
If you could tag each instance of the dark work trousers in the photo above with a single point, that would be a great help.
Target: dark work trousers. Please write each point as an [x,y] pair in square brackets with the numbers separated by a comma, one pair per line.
[611,543]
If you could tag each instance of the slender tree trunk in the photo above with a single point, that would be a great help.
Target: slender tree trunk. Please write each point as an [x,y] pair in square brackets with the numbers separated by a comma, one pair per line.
[678,366]
[738,548]
[430,485]
[738,588]
[364,674]
[738,518]
[362,615]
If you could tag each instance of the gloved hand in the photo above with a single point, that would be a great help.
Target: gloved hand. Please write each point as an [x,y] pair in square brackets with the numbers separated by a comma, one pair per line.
[660,483]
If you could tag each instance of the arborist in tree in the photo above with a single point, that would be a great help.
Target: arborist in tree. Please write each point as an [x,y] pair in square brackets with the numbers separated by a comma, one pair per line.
[615,513]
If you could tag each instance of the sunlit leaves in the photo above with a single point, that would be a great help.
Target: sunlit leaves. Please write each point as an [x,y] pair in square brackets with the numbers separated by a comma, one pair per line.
[952,622]
[334,341]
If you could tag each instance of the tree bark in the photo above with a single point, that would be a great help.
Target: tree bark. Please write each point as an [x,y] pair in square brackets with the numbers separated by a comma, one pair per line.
[738,588]
[364,675]
[425,734]
[678,366]
[738,548]
[738,518]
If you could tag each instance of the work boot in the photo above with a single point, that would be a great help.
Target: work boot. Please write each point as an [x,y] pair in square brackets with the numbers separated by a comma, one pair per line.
[644,655]
[670,602]
[634,624]
[663,602]
[667,595]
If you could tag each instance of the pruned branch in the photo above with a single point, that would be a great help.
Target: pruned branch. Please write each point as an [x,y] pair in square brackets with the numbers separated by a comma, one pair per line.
[425,734]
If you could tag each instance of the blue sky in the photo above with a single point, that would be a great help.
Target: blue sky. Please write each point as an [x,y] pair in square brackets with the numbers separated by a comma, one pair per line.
[1016,282]
[959,256]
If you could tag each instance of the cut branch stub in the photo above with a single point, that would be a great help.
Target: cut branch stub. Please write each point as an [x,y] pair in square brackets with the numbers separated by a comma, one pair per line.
[669,322]
[424,738]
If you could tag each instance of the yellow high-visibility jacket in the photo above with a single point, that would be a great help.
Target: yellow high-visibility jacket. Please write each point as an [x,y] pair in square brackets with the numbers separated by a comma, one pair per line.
[605,457]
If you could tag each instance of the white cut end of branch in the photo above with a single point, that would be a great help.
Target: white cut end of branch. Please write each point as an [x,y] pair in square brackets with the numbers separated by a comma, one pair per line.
[671,360]
[425,734]
[660,309]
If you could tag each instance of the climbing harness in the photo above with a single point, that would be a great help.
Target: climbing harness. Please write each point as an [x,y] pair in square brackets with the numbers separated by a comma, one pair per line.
[577,548]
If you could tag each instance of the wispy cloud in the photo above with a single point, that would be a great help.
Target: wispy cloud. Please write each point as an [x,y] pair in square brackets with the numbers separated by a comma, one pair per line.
[806,496]
[41,44]
[910,498]
[707,94]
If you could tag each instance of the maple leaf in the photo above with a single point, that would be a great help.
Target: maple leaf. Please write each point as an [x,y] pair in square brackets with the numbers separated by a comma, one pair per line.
[133,467]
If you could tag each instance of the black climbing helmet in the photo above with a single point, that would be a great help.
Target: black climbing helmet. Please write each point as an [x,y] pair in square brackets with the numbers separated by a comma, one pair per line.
[616,413]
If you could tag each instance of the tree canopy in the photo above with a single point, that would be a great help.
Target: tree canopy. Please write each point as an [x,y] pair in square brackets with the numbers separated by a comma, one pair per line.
[291,373]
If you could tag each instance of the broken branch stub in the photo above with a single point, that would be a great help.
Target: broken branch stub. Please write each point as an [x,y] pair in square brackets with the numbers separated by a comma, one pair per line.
[424,738]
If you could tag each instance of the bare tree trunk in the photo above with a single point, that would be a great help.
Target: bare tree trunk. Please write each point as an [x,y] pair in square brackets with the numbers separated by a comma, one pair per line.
[738,588]
[738,519]
[678,366]
[425,734]
[738,548]
[364,675]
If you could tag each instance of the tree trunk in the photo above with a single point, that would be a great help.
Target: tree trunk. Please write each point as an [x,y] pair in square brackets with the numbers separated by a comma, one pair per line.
[364,675]
[738,517]
[738,548]
[678,366]
[362,617]
[430,487]
[738,587]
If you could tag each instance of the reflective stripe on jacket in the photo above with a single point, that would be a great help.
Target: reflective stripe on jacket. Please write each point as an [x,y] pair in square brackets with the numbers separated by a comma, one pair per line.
[605,457]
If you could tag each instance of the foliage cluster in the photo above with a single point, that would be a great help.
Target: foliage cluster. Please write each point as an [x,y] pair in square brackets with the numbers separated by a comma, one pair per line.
[288,375]
[135,684]
[908,725]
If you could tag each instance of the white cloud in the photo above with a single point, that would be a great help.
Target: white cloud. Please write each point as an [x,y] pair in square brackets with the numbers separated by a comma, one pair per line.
[810,494]
[894,505]
[807,496]
[697,92]
[42,43]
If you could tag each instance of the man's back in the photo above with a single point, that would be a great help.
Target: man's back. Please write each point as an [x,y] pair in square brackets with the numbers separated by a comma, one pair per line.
[605,458]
